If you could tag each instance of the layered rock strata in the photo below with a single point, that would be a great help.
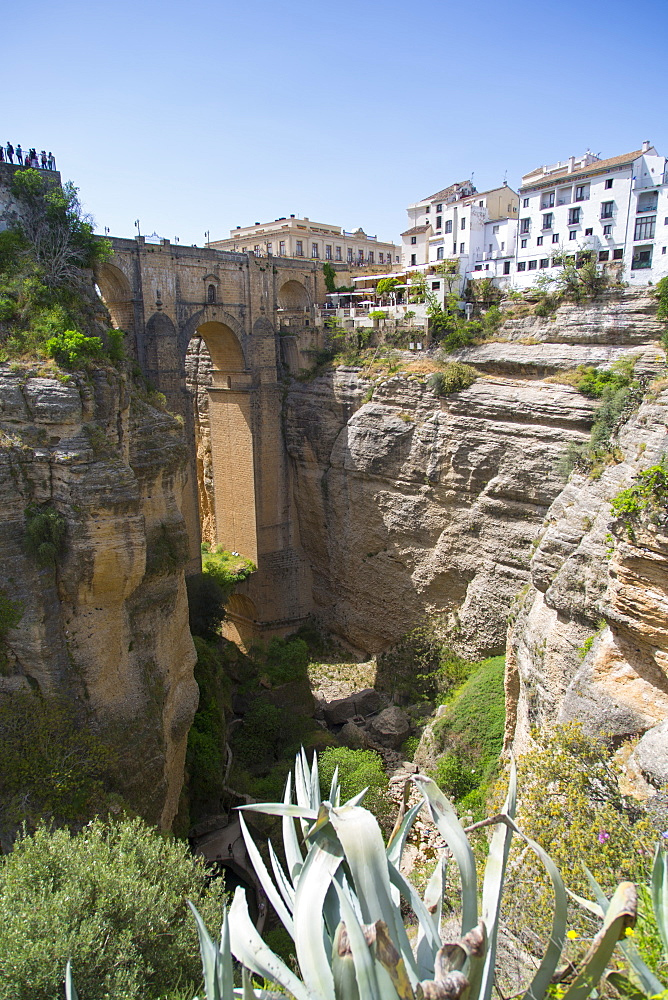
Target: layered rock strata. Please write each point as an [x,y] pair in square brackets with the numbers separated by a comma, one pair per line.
[107,627]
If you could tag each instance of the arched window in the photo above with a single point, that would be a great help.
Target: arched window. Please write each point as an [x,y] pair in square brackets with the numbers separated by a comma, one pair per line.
[211,293]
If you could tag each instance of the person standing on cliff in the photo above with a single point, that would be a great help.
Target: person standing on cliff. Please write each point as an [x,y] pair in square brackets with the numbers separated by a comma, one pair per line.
[10,152]
[19,155]
[42,157]
[52,161]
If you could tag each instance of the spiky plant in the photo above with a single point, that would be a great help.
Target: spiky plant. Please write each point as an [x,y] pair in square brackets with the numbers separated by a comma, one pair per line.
[340,901]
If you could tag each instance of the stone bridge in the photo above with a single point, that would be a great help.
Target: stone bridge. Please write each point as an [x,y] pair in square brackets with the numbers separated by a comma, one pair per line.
[213,330]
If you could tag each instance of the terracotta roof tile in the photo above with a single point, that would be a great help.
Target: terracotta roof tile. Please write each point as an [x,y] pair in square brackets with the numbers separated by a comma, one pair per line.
[595,167]
[415,230]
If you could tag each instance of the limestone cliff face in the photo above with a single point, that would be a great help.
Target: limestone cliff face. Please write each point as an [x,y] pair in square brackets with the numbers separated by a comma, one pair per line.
[108,627]
[589,579]
[411,504]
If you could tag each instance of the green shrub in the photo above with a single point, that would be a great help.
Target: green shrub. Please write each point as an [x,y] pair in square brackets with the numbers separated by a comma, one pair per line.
[226,569]
[454,377]
[471,734]
[206,605]
[420,667]
[11,613]
[71,349]
[45,533]
[358,769]
[166,549]
[115,345]
[112,899]
[286,660]
[649,492]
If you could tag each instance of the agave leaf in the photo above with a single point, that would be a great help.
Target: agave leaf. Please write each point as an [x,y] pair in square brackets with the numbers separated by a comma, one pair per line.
[293,855]
[395,847]
[425,918]
[659,890]
[621,914]
[586,904]
[249,949]
[248,993]
[315,783]
[650,984]
[281,809]
[624,986]
[216,964]
[303,787]
[225,971]
[282,881]
[547,967]
[343,965]
[445,818]
[365,965]
[270,889]
[70,990]
[387,955]
[426,948]
[334,791]
[364,849]
[356,799]
[492,890]
[322,862]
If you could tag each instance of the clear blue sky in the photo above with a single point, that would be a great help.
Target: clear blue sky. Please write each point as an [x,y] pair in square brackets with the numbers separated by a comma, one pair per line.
[203,115]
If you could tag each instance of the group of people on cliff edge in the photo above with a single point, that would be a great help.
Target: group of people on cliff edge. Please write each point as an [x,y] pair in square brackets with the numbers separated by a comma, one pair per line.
[28,158]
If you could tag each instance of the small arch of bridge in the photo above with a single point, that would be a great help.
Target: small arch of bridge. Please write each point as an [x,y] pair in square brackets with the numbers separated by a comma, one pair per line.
[117,295]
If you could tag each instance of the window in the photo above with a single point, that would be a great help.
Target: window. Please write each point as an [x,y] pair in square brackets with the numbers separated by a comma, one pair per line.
[495,230]
[489,248]
[607,230]
[413,259]
[574,216]
[454,248]
[523,244]
[533,264]
[300,248]
[337,253]
[564,196]
[462,224]
[256,250]
[439,208]
[648,201]
[545,262]
[314,250]
[503,245]
[211,293]
[589,232]
[461,247]
[427,209]
[448,226]
[413,240]
[328,251]
[522,265]
[539,241]
[606,209]
[439,253]
[547,199]
[645,228]
[281,248]
[525,203]
[506,267]
[555,237]
[603,255]
[270,248]
[582,192]
[360,256]
[350,255]
[547,220]
[371,260]
[573,235]
[435,285]
[381,258]
[525,225]
[618,254]
[608,185]
[642,258]
[481,204]
[478,267]
[439,221]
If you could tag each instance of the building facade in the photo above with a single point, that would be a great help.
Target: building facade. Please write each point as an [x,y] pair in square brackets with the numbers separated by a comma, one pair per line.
[475,229]
[296,238]
[616,209]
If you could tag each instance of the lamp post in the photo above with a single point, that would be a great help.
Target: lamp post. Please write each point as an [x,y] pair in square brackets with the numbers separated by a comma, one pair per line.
[137,227]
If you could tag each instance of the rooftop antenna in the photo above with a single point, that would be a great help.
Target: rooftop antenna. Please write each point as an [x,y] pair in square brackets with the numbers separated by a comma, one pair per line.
[505,177]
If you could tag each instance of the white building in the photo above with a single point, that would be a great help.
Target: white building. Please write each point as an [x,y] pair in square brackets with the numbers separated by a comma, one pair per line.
[615,208]
[294,237]
[476,229]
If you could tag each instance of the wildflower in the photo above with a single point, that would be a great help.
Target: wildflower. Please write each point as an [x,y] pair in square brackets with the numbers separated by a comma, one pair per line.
[572,935]
[603,835]
[629,932]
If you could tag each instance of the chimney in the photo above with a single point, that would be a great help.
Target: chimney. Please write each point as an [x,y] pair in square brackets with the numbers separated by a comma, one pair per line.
[645,146]
[571,164]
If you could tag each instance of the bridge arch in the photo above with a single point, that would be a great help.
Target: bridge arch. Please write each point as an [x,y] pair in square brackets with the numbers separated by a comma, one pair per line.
[116,292]
[292,295]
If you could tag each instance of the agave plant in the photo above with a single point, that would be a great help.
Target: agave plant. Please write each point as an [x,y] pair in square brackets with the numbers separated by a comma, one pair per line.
[339,899]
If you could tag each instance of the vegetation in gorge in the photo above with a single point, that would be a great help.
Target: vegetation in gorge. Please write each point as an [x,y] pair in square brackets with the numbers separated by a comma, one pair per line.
[570,803]
[647,495]
[619,391]
[112,899]
[421,666]
[453,377]
[357,770]
[470,735]
[45,533]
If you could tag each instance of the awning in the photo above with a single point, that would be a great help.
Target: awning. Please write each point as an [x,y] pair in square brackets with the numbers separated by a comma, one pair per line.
[377,277]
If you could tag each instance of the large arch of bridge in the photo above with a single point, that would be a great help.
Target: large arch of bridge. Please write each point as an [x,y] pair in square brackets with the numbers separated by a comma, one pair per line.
[292,295]
[116,292]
